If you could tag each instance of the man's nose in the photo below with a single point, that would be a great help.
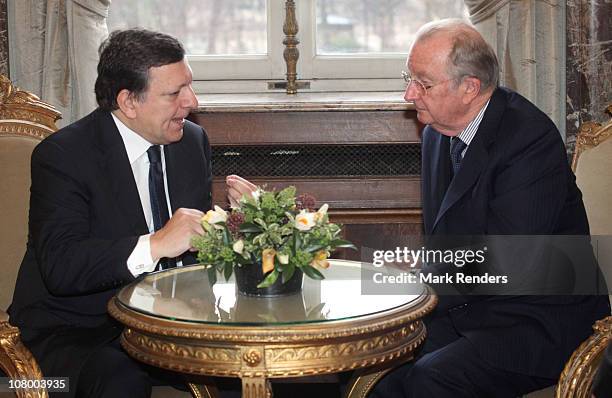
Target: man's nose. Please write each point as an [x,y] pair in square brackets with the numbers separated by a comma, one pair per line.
[190,101]
[411,92]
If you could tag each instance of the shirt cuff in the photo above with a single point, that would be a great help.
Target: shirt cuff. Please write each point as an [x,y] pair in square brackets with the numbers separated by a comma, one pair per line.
[140,261]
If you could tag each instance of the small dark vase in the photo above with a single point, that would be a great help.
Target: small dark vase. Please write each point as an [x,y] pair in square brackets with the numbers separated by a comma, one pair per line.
[250,275]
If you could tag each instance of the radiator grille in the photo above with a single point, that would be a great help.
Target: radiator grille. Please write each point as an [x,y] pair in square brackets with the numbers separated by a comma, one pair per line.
[317,160]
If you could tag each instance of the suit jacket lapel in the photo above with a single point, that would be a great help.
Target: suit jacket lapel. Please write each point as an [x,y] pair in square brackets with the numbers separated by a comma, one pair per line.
[436,174]
[471,166]
[476,157]
[120,178]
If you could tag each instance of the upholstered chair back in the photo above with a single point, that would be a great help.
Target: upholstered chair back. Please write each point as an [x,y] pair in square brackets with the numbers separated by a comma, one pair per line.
[593,168]
[24,122]
[592,164]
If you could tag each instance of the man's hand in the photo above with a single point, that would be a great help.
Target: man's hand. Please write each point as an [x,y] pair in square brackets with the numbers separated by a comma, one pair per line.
[236,187]
[175,237]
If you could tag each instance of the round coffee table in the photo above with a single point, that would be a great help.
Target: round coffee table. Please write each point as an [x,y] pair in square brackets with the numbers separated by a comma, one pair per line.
[176,320]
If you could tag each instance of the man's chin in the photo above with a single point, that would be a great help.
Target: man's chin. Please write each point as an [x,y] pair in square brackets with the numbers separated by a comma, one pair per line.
[424,117]
[175,136]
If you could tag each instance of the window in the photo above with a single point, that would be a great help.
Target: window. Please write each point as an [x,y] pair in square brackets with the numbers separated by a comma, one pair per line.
[236,45]
[224,39]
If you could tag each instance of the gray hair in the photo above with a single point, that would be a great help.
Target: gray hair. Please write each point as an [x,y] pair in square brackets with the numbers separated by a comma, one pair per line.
[470,54]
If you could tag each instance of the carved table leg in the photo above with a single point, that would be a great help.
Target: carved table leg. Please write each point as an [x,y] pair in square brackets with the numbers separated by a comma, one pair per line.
[255,387]
[253,370]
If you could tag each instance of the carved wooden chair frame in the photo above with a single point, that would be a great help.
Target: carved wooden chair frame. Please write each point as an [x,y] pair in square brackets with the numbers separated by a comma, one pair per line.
[590,135]
[24,114]
[576,380]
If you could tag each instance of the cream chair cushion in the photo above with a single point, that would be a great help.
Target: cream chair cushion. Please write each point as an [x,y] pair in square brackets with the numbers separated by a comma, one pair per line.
[15,152]
[594,178]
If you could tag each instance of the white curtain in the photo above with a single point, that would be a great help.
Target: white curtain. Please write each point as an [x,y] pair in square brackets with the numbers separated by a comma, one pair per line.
[54,51]
[529,39]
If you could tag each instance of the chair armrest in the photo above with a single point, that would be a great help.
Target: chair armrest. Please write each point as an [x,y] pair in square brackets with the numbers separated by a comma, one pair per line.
[577,377]
[16,360]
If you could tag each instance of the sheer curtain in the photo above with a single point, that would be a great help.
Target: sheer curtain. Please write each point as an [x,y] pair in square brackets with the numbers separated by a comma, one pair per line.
[54,51]
[529,39]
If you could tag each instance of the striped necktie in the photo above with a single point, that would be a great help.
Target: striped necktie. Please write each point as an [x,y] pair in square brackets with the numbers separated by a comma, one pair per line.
[457,147]
[157,193]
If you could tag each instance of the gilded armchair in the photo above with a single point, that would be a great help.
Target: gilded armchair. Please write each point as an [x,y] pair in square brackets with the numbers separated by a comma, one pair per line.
[592,164]
[24,122]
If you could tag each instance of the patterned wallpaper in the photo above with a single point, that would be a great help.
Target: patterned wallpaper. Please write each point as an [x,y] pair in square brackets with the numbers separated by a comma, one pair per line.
[4,54]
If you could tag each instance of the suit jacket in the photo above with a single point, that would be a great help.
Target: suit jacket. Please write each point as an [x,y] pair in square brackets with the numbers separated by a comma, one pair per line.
[85,220]
[514,180]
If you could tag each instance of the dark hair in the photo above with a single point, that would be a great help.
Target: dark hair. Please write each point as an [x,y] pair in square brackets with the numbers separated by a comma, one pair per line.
[125,59]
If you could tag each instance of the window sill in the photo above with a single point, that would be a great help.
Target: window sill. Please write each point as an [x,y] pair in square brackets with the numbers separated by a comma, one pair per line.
[303,102]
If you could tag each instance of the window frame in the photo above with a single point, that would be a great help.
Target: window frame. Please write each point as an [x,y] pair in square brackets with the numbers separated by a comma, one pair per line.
[349,66]
[244,67]
[251,73]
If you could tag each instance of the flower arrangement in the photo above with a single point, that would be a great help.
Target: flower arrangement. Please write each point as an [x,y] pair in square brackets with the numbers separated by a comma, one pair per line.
[278,230]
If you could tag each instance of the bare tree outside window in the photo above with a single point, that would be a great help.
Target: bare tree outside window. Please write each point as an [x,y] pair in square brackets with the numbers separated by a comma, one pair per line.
[237,45]
[377,26]
[205,27]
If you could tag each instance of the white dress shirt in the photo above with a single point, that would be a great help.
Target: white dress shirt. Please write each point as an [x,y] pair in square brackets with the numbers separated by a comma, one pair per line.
[468,134]
[136,146]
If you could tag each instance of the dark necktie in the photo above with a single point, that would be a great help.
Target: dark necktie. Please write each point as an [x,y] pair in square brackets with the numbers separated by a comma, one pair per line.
[157,193]
[457,146]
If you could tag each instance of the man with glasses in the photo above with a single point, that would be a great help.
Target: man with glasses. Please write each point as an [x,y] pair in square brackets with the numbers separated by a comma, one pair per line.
[493,164]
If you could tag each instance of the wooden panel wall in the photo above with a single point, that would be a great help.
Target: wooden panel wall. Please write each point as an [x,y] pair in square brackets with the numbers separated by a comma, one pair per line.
[374,210]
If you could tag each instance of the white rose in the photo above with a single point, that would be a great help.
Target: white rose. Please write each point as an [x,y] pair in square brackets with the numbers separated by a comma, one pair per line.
[304,221]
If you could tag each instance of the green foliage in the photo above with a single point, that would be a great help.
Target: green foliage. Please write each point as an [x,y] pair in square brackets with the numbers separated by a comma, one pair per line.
[271,221]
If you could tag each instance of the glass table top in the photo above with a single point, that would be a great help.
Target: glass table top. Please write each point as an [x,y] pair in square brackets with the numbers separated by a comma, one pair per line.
[185,294]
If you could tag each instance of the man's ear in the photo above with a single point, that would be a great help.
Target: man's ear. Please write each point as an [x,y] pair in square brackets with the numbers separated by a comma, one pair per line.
[127,102]
[471,88]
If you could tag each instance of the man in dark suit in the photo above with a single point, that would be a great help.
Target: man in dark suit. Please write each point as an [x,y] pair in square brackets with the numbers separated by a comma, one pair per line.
[114,195]
[493,164]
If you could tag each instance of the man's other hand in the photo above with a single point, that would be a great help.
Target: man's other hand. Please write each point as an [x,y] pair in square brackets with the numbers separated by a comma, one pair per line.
[236,187]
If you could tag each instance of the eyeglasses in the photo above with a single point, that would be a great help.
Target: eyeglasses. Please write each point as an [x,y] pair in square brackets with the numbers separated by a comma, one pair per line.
[420,86]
